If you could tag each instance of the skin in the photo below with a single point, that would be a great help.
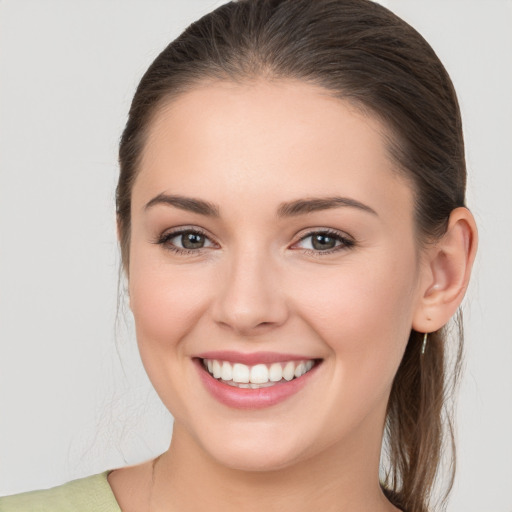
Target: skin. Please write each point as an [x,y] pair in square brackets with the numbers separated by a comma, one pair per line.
[259,285]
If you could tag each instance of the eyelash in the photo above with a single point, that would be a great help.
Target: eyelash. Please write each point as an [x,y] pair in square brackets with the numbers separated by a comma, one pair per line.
[345,242]
[165,238]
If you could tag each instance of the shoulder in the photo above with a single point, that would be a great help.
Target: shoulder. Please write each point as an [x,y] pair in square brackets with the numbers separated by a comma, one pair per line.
[91,494]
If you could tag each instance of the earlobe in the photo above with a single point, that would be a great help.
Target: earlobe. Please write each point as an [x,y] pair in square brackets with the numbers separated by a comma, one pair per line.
[446,274]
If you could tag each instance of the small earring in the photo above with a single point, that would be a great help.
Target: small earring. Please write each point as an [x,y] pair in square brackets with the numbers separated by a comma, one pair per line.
[424,344]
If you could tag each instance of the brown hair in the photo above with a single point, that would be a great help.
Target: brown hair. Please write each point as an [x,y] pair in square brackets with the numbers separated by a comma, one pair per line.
[363,53]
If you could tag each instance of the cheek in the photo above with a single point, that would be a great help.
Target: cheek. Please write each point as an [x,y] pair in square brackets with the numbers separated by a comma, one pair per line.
[363,312]
[166,301]
[365,319]
[167,304]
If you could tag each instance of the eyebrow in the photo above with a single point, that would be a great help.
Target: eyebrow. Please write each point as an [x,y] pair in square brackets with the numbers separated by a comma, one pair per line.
[185,203]
[304,206]
[289,209]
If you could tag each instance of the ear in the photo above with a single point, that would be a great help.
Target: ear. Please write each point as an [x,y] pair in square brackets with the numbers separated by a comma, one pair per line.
[446,270]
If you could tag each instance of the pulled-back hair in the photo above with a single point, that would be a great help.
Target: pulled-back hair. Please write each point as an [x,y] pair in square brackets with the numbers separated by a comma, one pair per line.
[362,53]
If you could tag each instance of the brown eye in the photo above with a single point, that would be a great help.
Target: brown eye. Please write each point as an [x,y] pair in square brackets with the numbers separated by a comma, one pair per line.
[322,242]
[185,241]
[192,240]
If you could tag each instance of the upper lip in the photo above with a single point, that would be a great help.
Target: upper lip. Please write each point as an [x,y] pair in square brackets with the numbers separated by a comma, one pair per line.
[251,359]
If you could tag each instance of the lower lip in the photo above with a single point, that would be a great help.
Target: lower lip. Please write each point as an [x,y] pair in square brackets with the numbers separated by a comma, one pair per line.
[242,398]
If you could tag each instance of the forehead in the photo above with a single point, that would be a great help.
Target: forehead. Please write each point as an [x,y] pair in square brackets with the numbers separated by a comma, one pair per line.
[275,138]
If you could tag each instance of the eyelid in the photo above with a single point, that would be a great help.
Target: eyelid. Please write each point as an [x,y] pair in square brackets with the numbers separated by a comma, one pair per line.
[167,235]
[323,230]
[346,241]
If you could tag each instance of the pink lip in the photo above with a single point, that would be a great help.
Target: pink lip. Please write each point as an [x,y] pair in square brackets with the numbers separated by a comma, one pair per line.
[253,358]
[240,398]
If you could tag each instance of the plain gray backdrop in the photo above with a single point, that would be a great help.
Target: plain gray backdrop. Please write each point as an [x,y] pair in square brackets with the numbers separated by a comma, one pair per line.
[68,69]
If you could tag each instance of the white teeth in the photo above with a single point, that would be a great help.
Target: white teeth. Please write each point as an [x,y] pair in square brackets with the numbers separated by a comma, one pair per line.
[289,371]
[257,376]
[227,371]
[240,373]
[300,370]
[276,372]
[217,370]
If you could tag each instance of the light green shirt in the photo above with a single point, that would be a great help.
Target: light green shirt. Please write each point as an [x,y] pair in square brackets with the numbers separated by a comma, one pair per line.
[91,494]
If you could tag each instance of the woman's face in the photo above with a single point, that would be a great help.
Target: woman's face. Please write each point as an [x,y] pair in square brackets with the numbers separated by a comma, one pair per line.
[271,235]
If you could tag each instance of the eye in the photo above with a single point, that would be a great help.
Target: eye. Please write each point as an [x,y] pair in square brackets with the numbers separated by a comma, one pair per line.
[324,241]
[185,241]
[189,240]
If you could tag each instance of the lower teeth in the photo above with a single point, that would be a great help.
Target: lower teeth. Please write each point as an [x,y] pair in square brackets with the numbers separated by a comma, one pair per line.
[249,385]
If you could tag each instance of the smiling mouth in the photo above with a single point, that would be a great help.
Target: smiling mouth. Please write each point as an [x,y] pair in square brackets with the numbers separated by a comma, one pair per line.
[257,376]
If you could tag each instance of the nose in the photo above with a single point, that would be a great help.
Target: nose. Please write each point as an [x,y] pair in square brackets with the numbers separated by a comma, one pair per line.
[250,300]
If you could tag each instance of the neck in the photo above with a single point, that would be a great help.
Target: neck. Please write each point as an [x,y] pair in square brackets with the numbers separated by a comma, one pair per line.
[341,478]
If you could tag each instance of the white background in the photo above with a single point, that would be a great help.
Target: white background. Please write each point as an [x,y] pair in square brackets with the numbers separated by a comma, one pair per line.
[68,405]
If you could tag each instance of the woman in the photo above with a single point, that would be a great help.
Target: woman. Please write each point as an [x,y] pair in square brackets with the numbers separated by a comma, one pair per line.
[292,225]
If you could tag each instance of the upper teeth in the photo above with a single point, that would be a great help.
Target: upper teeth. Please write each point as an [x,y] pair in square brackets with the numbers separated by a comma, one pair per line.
[257,374]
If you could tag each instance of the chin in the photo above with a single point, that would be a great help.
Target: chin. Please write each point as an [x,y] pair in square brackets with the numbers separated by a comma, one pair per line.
[248,450]
[255,460]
